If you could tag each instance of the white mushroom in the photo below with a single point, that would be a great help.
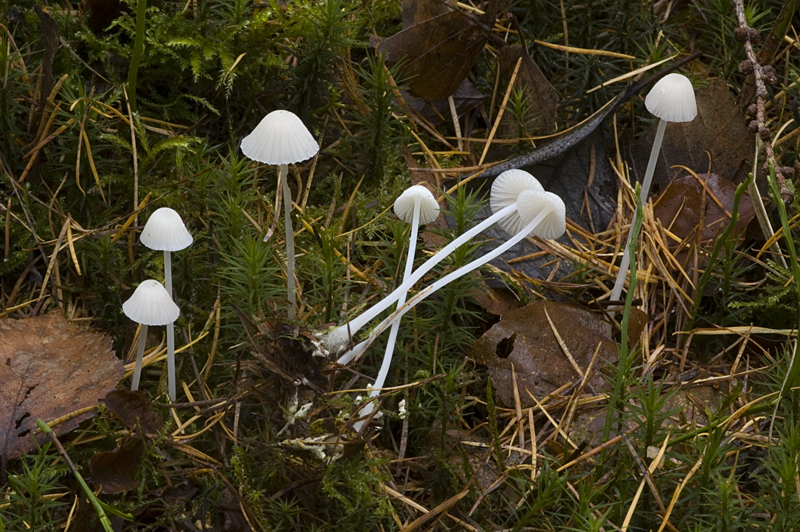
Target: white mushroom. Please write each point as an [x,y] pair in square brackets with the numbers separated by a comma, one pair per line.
[672,100]
[282,139]
[165,231]
[150,304]
[416,205]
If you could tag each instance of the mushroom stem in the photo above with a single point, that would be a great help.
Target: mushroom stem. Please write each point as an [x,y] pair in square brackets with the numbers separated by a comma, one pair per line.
[170,327]
[171,360]
[622,274]
[387,356]
[337,338]
[452,276]
[168,272]
[289,230]
[137,370]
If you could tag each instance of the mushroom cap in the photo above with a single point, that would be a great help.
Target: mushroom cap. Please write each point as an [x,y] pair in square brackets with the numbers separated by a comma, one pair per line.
[165,231]
[532,202]
[151,304]
[428,208]
[505,190]
[280,138]
[672,99]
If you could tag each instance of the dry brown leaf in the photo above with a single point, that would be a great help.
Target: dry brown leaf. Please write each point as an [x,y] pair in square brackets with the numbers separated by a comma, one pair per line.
[542,96]
[50,368]
[466,98]
[524,338]
[437,53]
[679,207]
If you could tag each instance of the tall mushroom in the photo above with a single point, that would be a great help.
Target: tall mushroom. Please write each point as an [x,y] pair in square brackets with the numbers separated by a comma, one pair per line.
[417,206]
[282,139]
[150,304]
[164,231]
[541,214]
[672,100]
[505,190]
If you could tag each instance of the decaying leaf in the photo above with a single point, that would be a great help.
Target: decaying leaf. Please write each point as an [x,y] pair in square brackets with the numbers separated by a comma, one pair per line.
[718,132]
[466,98]
[438,52]
[542,96]
[49,369]
[115,471]
[525,339]
[680,206]
[135,411]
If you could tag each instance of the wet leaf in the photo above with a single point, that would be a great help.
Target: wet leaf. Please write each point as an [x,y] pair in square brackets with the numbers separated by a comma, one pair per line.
[718,132]
[679,208]
[135,410]
[115,471]
[525,338]
[50,368]
[436,53]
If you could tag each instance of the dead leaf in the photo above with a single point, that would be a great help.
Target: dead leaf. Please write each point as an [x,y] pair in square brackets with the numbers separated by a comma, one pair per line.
[115,471]
[524,338]
[496,300]
[718,132]
[50,368]
[678,208]
[437,53]
[135,410]
[466,98]
[417,11]
[542,96]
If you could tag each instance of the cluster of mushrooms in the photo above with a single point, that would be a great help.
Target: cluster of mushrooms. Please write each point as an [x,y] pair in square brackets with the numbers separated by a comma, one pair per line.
[152,303]
[519,204]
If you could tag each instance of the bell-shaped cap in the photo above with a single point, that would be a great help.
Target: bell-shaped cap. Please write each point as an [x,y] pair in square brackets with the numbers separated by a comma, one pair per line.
[280,138]
[151,304]
[165,231]
[505,190]
[428,208]
[672,99]
[532,202]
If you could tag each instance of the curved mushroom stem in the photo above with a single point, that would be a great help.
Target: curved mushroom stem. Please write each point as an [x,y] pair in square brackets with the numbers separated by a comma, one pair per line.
[622,274]
[452,276]
[337,339]
[137,370]
[387,356]
[289,230]
[170,327]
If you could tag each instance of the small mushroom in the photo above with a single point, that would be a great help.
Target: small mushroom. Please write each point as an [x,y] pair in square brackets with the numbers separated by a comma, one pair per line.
[672,100]
[416,205]
[150,304]
[165,231]
[282,139]
[505,189]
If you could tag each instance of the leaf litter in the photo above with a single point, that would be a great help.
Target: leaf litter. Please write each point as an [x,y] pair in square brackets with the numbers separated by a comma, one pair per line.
[548,345]
[53,370]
